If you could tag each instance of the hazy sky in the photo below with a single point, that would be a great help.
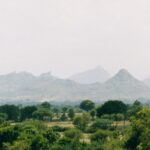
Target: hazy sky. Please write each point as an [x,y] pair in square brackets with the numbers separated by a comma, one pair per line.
[69,36]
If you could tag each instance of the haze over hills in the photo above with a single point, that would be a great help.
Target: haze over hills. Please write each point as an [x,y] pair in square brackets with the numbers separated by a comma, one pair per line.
[124,85]
[25,86]
[97,74]
[147,81]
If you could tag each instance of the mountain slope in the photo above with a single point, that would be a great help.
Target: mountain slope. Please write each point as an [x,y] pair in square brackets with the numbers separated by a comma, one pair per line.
[124,85]
[25,86]
[147,82]
[97,74]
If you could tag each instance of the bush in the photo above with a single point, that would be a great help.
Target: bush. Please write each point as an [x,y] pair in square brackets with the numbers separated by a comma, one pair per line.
[12,111]
[42,114]
[51,136]
[81,122]
[64,117]
[101,124]
[139,135]
[100,135]
[73,134]
[8,134]
[71,114]
[3,117]
[39,143]
[59,129]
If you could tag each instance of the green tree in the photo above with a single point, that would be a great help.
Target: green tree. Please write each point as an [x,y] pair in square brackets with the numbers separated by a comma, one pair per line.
[8,134]
[93,114]
[51,136]
[100,135]
[87,105]
[3,117]
[26,112]
[81,122]
[136,107]
[11,111]
[73,134]
[138,137]
[17,145]
[71,113]
[112,107]
[63,117]
[64,109]
[46,105]
[39,143]
[56,111]
[101,124]
[42,114]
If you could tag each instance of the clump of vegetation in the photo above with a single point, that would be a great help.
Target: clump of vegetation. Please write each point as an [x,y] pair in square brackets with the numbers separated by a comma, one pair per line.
[87,105]
[101,124]
[112,126]
[81,122]
[73,134]
[139,134]
[100,135]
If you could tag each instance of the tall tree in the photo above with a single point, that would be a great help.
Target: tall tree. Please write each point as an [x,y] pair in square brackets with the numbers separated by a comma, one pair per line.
[112,107]
[42,114]
[82,121]
[12,111]
[87,105]
[46,105]
[26,112]
[71,113]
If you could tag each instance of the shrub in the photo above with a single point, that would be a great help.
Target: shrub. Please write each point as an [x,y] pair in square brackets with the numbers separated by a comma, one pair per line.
[8,134]
[51,136]
[100,135]
[73,134]
[81,122]
[63,117]
[59,129]
[101,124]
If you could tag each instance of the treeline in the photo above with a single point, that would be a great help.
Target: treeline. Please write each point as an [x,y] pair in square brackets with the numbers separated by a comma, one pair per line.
[113,125]
[116,110]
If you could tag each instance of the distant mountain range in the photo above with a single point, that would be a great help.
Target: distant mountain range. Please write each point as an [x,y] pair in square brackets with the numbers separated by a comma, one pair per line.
[97,74]
[147,82]
[25,86]
[124,86]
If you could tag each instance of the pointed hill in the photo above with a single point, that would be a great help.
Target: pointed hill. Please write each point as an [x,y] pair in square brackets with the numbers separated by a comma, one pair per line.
[97,74]
[124,85]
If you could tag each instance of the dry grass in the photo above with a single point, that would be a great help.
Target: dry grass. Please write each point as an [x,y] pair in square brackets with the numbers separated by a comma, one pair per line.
[67,124]
[121,123]
[85,138]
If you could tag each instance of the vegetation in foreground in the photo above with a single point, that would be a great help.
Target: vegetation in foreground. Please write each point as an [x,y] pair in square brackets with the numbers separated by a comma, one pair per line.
[111,126]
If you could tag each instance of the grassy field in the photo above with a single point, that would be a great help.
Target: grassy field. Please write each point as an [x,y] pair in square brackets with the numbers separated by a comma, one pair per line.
[67,124]
[121,123]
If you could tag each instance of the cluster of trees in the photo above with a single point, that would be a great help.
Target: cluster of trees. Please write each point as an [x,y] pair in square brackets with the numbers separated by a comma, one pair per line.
[24,128]
[44,112]
[103,116]
[139,134]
